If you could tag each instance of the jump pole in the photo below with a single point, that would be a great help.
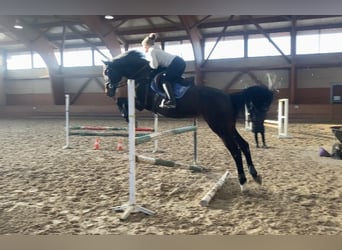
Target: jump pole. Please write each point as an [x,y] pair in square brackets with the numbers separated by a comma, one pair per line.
[211,193]
[131,206]
[156,135]
[167,163]
[70,131]
[99,128]
[155,150]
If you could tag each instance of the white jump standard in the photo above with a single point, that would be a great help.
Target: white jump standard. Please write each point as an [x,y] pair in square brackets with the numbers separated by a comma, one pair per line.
[131,206]
[281,123]
[133,158]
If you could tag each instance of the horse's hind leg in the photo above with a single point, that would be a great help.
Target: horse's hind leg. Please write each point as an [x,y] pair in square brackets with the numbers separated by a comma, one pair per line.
[236,153]
[228,140]
[244,146]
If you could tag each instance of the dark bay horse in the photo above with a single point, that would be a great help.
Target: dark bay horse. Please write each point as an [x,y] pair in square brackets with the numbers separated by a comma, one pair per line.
[219,109]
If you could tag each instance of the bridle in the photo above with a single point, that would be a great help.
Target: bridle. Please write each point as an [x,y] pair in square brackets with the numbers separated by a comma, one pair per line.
[123,83]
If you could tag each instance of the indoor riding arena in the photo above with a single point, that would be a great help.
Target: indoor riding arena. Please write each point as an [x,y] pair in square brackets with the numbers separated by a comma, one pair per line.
[71,164]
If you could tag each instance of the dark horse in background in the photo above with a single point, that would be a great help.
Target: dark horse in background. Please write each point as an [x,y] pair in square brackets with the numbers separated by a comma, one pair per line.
[219,109]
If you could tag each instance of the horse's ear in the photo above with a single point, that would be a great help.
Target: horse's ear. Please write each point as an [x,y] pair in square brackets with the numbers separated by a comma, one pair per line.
[275,93]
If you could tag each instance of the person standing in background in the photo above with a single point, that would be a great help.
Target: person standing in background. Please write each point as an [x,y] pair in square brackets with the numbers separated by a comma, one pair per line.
[258,126]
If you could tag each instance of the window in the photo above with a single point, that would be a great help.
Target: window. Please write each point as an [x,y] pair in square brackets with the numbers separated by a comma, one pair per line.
[38,61]
[77,58]
[319,41]
[259,45]
[182,49]
[19,61]
[329,41]
[307,42]
[98,57]
[24,61]
[336,92]
[227,47]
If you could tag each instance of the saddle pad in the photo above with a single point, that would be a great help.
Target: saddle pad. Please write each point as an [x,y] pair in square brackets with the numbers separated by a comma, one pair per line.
[178,89]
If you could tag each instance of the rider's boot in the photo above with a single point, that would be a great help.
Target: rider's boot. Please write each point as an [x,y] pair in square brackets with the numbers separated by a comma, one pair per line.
[170,102]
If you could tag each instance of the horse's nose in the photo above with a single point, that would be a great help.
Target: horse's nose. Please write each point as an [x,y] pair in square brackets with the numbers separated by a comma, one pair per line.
[109,90]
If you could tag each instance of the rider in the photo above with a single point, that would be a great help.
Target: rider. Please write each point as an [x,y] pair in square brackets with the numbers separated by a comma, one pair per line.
[174,65]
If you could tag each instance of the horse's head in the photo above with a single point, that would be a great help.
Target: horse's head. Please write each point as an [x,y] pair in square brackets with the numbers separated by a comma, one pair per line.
[130,64]
[112,78]
[258,99]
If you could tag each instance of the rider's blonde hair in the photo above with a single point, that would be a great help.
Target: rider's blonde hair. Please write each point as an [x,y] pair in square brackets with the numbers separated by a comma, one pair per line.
[149,40]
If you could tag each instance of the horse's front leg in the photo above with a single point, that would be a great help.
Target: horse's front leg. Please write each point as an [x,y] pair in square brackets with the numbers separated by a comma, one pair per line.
[244,146]
[122,103]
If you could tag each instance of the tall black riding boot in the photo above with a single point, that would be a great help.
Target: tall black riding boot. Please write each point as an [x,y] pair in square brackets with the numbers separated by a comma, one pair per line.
[170,102]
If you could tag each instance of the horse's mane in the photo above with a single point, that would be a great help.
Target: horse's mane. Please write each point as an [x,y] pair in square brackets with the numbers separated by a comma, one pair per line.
[129,64]
[129,56]
[257,94]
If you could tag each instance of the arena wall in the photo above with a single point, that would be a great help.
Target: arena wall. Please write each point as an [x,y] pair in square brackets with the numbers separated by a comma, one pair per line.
[30,91]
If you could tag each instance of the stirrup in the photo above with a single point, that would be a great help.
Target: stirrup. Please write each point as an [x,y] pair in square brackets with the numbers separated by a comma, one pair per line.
[165,104]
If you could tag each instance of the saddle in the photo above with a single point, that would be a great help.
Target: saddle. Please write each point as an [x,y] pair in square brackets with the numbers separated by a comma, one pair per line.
[179,87]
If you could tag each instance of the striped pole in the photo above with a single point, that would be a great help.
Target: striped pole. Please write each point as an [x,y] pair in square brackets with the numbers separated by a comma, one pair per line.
[70,131]
[166,163]
[153,136]
[142,129]
[96,128]
[211,193]
[103,134]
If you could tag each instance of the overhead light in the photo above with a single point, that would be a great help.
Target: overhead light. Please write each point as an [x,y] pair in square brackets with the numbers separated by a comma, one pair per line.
[17,25]
[109,17]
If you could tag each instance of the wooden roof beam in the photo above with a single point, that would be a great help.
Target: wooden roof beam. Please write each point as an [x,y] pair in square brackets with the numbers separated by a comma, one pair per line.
[269,39]
[189,22]
[218,39]
[105,31]
[36,41]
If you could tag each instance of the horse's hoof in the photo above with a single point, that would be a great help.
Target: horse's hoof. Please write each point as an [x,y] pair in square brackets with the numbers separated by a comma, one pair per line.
[258,179]
[242,180]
